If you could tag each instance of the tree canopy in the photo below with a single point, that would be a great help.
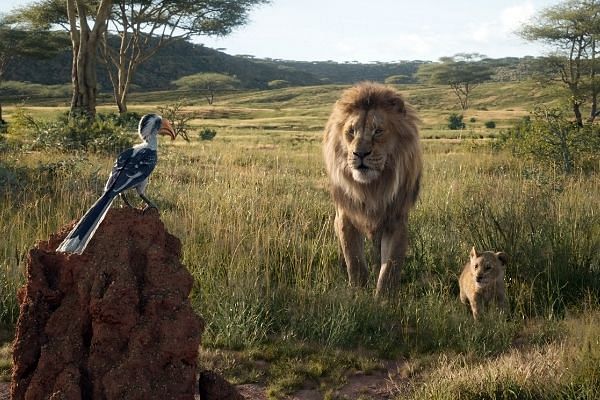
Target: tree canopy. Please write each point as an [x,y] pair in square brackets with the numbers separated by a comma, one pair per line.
[462,72]
[573,28]
[142,26]
[208,82]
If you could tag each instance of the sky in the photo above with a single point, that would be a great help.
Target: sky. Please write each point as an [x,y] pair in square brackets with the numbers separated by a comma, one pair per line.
[378,30]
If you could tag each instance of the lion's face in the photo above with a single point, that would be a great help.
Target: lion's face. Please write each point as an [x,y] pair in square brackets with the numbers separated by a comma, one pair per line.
[368,138]
[371,150]
[487,267]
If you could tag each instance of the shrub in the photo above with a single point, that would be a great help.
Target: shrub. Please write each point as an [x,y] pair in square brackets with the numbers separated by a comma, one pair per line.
[278,84]
[128,120]
[455,122]
[472,119]
[549,136]
[398,79]
[72,133]
[207,134]
[490,124]
[179,118]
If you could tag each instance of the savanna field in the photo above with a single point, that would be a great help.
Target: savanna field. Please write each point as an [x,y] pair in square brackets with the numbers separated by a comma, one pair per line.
[253,213]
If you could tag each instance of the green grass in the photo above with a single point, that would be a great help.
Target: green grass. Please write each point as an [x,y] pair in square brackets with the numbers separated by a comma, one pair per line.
[253,213]
[565,369]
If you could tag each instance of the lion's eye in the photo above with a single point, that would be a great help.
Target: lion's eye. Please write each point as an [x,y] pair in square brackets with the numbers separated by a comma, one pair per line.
[377,131]
[476,266]
[351,131]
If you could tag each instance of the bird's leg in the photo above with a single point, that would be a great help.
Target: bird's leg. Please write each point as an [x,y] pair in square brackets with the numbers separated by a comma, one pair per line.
[149,203]
[125,200]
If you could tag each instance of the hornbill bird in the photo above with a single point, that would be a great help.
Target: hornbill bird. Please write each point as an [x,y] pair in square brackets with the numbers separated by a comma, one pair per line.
[131,170]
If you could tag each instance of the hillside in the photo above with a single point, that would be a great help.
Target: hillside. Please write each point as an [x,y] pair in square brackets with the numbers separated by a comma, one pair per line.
[183,58]
[179,59]
[350,72]
[306,108]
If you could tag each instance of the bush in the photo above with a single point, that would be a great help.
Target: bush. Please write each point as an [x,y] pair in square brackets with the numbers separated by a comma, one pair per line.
[455,122]
[472,119]
[549,136]
[179,118]
[398,79]
[72,133]
[490,124]
[278,84]
[128,121]
[207,134]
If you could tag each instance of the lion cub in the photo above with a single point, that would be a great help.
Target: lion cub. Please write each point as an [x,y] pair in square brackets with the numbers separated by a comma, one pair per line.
[482,280]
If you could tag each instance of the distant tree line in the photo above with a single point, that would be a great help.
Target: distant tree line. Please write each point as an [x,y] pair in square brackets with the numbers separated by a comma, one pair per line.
[183,58]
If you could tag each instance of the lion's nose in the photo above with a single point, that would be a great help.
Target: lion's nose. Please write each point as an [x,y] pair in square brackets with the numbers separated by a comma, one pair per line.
[361,154]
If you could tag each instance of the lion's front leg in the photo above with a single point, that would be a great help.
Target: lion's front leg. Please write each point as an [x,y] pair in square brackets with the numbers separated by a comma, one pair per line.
[353,249]
[393,250]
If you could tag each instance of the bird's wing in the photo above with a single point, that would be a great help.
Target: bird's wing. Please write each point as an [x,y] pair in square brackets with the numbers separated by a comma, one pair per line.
[131,167]
[120,163]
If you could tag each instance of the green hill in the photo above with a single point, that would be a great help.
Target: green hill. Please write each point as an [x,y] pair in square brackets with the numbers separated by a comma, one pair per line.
[182,58]
[179,59]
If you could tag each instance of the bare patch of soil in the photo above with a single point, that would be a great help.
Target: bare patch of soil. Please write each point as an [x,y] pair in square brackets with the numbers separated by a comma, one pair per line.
[386,383]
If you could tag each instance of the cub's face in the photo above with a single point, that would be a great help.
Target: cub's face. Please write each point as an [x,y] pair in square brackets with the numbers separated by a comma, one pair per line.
[487,267]
[369,138]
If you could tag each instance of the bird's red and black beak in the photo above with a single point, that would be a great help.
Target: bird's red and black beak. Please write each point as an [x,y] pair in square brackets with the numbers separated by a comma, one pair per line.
[167,129]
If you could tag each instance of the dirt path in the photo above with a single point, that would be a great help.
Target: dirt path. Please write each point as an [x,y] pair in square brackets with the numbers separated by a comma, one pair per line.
[381,385]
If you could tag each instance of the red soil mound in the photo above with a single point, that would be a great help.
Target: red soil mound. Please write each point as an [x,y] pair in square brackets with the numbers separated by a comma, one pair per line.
[113,323]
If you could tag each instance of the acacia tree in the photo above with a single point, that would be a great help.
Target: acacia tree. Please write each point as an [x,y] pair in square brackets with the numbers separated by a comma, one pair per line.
[573,27]
[208,82]
[146,26]
[462,72]
[141,28]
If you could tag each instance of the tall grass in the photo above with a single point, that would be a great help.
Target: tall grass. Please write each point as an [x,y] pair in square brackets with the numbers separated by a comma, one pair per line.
[567,369]
[255,220]
[253,213]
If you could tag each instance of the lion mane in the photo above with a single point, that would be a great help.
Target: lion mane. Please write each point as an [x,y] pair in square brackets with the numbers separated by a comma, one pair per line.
[373,160]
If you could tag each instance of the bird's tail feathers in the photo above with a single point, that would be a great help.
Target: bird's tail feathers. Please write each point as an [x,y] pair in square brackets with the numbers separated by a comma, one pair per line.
[79,237]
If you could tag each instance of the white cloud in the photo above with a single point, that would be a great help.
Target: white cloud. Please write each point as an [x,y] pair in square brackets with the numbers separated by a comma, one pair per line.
[513,17]
[481,33]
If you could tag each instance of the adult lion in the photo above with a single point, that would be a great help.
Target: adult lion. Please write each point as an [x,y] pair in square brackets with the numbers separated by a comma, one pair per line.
[373,159]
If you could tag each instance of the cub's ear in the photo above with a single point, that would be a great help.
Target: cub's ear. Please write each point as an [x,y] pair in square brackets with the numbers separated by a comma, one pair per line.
[502,256]
[474,253]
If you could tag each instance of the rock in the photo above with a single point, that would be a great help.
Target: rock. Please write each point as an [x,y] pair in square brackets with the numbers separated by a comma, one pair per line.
[213,386]
[112,323]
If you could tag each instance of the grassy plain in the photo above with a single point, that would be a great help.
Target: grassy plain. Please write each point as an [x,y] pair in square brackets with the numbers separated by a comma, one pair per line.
[252,210]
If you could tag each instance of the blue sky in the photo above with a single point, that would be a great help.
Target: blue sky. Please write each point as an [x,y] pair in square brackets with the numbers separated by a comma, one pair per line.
[378,30]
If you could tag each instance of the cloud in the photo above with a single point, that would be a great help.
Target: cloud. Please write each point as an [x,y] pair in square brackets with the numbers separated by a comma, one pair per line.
[481,33]
[513,17]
